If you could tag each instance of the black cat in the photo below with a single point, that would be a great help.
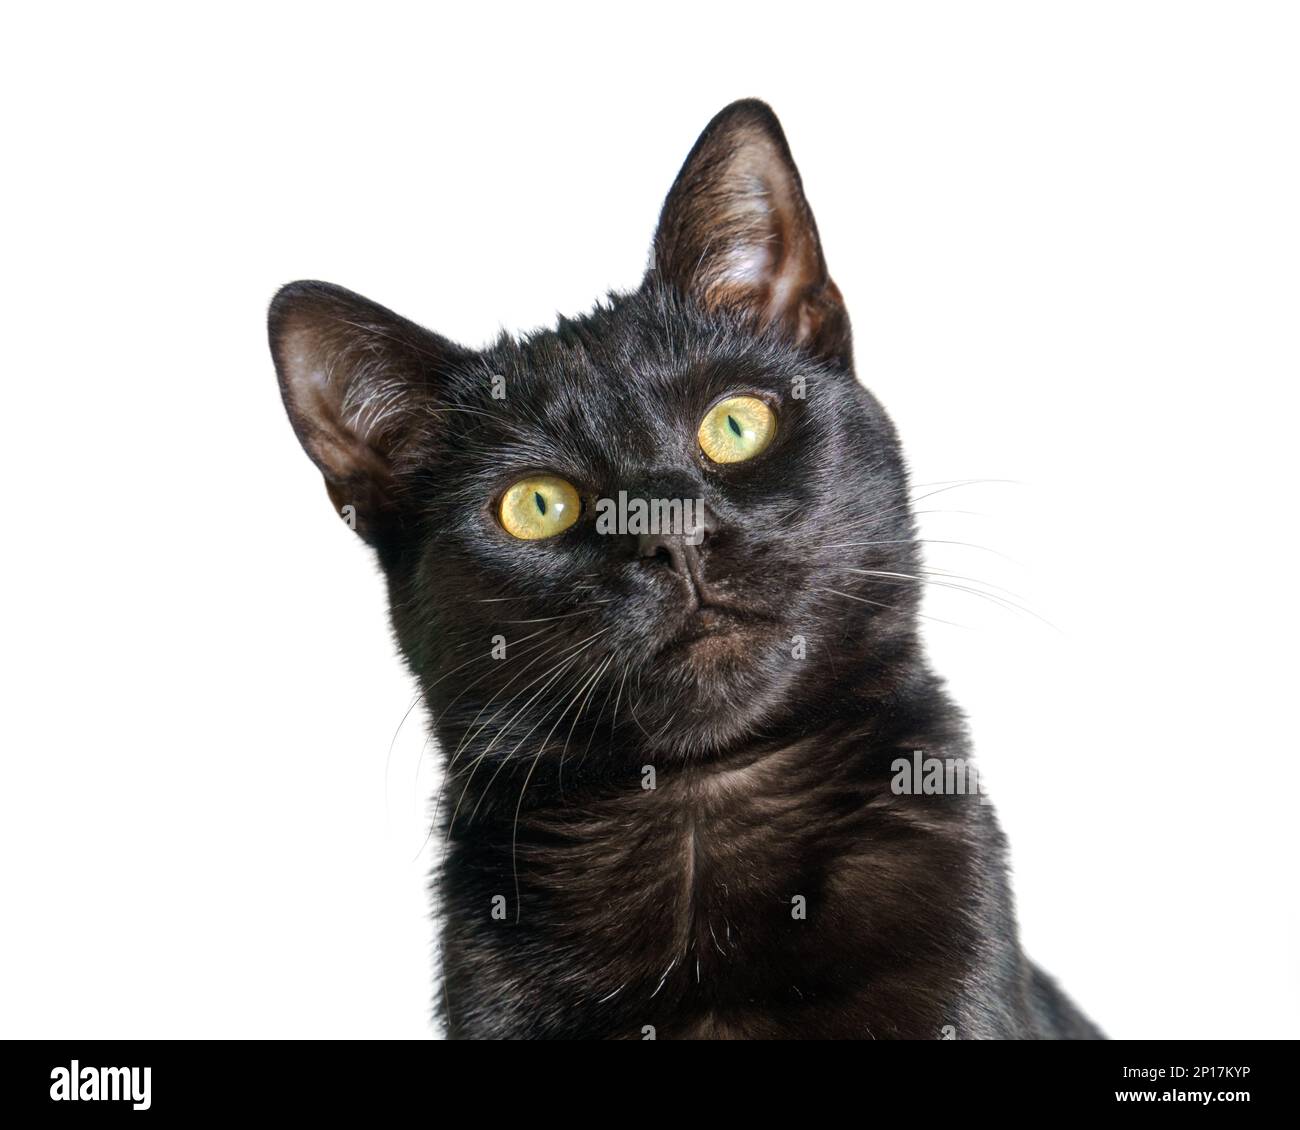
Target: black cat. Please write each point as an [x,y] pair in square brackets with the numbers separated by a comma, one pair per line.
[677,798]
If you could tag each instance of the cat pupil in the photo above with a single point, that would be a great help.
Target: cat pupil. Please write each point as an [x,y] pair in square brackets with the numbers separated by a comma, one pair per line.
[735,427]
[541,502]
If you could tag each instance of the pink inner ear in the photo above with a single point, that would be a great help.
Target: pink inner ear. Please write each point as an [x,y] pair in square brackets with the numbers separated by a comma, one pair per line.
[748,266]
[771,262]
[338,433]
[737,233]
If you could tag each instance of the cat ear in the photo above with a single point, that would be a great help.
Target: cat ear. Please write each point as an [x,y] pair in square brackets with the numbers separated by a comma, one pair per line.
[357,383]
[737,232]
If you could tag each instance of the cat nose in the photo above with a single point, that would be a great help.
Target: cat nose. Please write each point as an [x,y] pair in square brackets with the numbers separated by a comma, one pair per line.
[673,550]
[680,550]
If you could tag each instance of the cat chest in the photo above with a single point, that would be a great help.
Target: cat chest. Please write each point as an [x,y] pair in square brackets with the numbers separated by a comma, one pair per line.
[682,916]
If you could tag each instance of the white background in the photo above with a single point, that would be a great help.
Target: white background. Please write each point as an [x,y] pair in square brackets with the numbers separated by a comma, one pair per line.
[1068,237]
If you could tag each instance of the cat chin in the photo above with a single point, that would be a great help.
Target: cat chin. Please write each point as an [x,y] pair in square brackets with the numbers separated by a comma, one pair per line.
[710,692]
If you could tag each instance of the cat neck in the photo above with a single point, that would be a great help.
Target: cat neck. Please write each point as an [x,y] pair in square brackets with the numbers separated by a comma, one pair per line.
[679,897]
[846,727]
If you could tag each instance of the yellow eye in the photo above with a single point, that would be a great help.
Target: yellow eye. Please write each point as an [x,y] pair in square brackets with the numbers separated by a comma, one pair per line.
[737,429]
[539,506]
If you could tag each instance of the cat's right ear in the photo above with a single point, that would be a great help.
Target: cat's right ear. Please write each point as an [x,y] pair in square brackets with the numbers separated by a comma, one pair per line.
[358,384]
[736,232]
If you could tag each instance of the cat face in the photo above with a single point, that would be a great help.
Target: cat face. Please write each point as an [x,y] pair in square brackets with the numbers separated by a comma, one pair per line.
[644,522]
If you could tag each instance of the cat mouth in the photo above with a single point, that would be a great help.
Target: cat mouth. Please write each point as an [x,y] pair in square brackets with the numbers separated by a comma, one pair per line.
[709,623]
[713,627]
[715,617]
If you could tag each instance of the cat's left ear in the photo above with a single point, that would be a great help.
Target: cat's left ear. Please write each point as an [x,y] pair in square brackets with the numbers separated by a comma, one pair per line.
[736,232]
[358,384]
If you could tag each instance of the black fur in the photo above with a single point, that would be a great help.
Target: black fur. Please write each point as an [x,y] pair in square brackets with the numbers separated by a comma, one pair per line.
[771,723]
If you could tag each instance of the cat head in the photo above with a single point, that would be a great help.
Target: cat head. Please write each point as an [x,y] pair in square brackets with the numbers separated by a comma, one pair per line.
[521,497]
